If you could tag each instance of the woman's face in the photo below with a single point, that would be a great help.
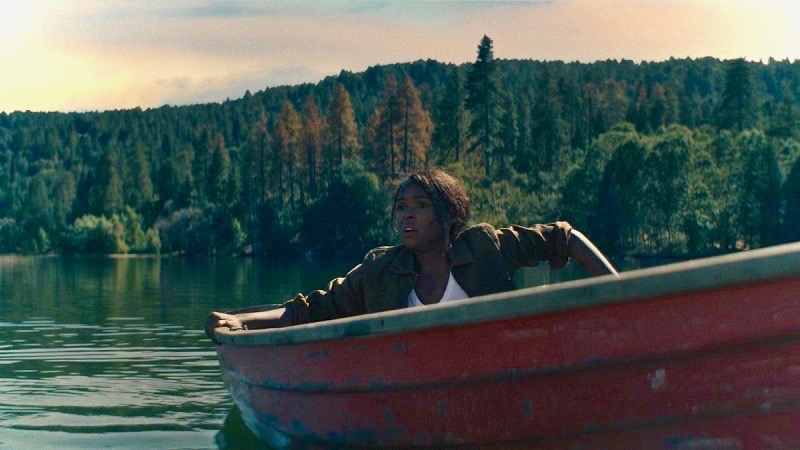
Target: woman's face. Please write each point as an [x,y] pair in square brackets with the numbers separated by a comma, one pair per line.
[416,221]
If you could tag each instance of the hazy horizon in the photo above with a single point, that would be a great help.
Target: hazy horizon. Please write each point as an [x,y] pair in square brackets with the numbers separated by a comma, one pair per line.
[87,56]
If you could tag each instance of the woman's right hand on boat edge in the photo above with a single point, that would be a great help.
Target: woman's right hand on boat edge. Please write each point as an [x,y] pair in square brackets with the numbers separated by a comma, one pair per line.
[217,319]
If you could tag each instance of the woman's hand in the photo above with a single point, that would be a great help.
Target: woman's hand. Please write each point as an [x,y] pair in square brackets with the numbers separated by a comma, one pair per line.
[226,320]
[217,319]
[274,318]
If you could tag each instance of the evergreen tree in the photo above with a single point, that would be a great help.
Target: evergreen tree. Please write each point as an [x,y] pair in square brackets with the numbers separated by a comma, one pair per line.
[288,141]
[38,206]
[786,120]
[139,185]
[523,159]
[573,111]
[737,109]
[105,195]
[662,107]
[483,102]
[638,111]
[383,133]
[313,140]
[416,127]
[203,150]
[620,199]
[63,196]
[548,132]
[760,196]
[508,136]
[342,128]
[257,159]
[665,185]
[449,134]
[218,173]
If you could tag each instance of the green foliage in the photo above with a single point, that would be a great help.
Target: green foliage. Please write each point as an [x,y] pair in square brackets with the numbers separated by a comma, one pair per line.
[186,230]
[483,101]
[737,110]
[698,169]
[449,136]
[11,236]
[354,214]
[792,194]
[760,181]
[99,235]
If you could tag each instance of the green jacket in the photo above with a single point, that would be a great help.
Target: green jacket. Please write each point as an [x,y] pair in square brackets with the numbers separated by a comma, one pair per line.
[482,260]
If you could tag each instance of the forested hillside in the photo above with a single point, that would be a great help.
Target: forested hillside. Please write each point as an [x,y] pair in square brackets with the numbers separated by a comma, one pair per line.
[680,157]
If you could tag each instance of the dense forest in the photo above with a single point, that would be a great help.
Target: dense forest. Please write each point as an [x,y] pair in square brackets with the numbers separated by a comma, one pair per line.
[680,157]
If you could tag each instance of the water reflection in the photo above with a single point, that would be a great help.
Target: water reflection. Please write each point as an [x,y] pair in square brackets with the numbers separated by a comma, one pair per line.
[235,435]
[99,352]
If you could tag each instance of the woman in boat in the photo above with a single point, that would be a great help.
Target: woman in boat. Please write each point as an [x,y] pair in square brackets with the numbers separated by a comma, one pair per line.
[440,260]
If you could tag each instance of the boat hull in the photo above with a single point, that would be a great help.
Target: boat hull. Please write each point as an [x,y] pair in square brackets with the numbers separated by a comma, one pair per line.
[714,367]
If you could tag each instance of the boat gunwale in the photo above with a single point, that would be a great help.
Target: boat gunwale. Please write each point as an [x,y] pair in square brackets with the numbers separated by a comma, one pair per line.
[775,262]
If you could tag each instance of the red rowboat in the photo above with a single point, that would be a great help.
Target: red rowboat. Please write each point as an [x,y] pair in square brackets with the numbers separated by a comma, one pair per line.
[701,354]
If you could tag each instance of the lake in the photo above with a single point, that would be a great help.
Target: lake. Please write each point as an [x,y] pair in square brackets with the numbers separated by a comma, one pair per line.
[100,352]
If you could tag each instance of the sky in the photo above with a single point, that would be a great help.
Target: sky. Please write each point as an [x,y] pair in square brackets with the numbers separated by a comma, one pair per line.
[86,55]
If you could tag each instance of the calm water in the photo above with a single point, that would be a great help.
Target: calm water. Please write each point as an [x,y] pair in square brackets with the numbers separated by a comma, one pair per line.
[101,352]
[110,352]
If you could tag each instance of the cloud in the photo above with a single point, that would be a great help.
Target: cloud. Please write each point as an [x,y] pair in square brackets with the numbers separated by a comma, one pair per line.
[187,90]
[117,54]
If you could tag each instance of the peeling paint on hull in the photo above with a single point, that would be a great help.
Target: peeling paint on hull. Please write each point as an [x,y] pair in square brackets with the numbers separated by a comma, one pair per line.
[708,367]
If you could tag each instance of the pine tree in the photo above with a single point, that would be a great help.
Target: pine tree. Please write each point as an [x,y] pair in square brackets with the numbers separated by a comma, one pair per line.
[288,141]
[38,206]
[449,134]
[508,136]
[342,128]
[760,181]
[105,195]
[260,144]
[383,131]
[548,132]
[737,109]
[313,140]
[483,101]
[139,185]
[661,107]
[416,127]
[523,159]
[218,173]
[786,121]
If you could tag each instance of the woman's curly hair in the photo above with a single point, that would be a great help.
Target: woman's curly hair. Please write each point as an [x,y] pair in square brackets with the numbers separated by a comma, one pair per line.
[450,200]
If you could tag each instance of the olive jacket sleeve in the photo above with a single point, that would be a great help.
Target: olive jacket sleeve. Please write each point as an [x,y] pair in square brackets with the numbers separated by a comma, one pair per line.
[343,298]
[527,246]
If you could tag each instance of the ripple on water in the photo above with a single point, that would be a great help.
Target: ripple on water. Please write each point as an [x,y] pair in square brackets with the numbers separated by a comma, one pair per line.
[110,382]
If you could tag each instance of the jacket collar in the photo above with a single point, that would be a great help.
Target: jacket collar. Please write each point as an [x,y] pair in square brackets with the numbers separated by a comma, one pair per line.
[460,255]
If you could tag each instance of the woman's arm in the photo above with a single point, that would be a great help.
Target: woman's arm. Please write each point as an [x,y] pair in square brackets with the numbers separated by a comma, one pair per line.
[341,300]
[273,318]
[587,255]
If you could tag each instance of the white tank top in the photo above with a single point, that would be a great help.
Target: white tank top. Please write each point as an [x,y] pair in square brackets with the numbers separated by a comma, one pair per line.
[453,291]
